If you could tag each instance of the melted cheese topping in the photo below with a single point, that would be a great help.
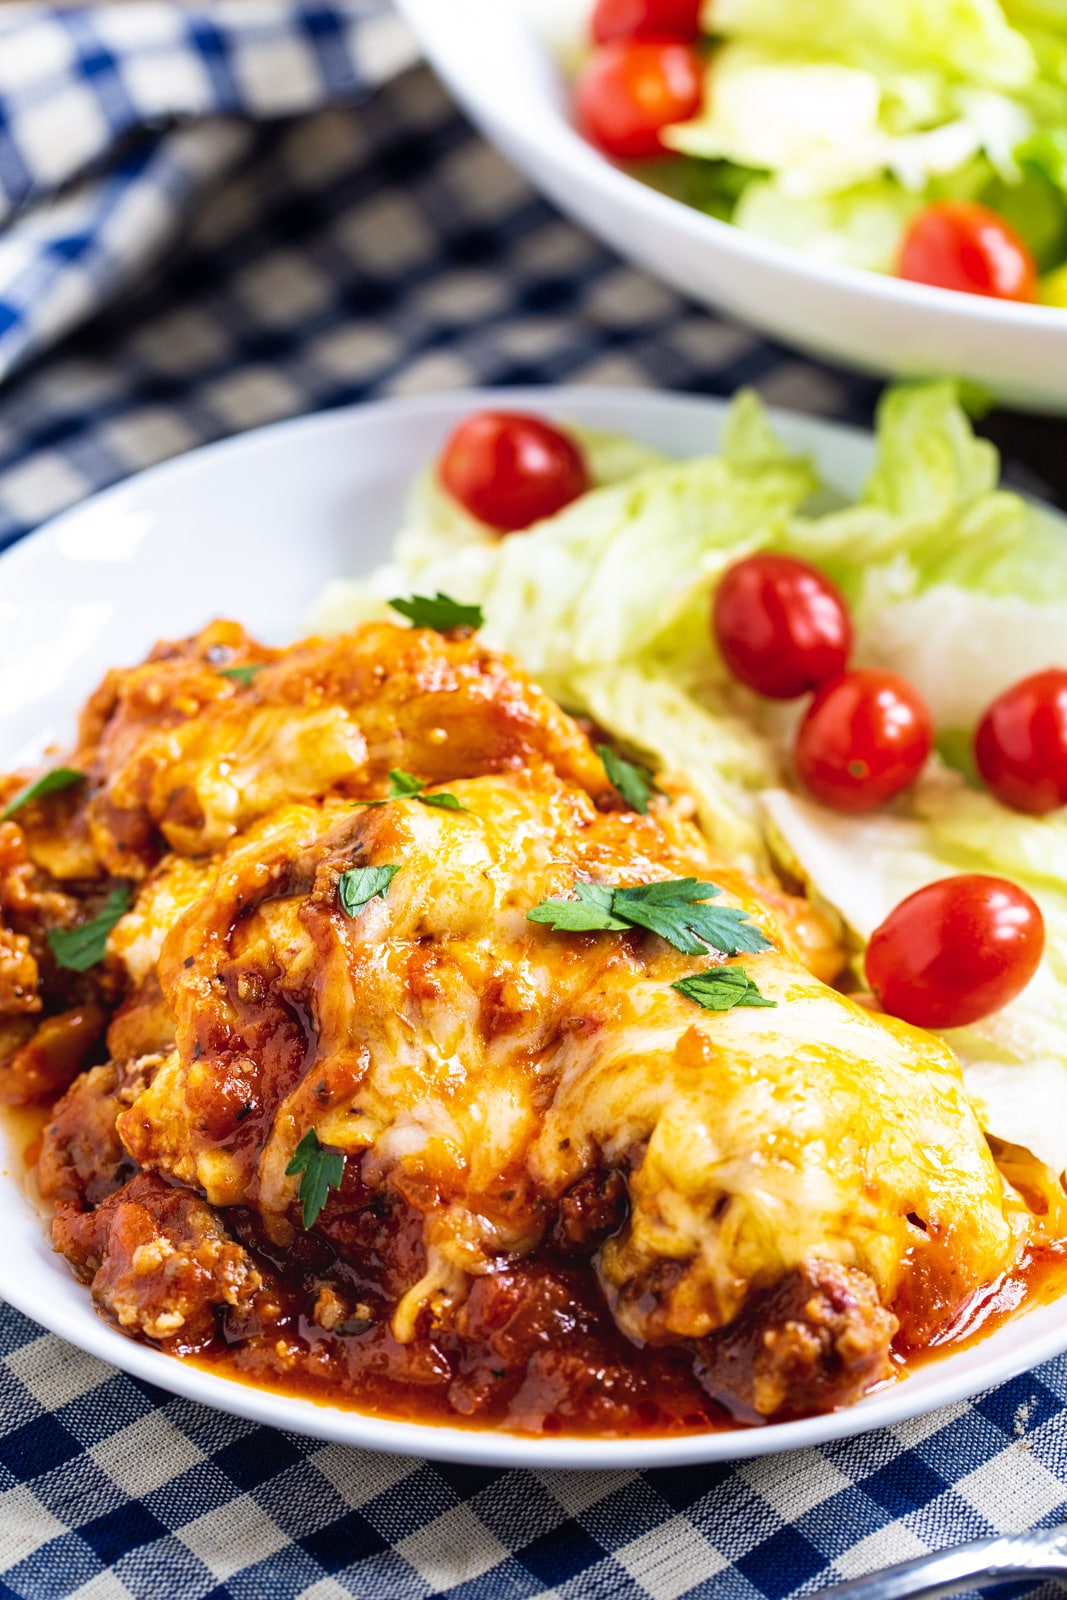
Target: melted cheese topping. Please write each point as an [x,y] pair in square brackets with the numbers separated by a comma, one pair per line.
[486,1063]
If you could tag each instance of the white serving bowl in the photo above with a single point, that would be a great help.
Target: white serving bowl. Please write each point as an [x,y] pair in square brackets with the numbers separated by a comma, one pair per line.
[498,57]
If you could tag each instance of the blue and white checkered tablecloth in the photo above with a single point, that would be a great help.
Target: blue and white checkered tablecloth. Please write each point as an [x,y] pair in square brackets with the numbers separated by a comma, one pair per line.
[266,238]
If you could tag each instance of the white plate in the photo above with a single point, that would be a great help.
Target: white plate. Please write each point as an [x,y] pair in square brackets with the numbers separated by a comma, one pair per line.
[253,528]
[498,58]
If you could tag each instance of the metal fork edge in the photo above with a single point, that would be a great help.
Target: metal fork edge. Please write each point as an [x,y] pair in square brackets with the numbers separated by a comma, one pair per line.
[1042,1554]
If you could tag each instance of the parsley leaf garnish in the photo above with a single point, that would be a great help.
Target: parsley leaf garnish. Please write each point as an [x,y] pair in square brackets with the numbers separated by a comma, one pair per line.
[51,783]
[722,988]
[443,802]
[590,913]
[438,611]
[323,1170]
[359,885]
[634,783]
[405,786]
[82,948]
[674,910]
[245,674]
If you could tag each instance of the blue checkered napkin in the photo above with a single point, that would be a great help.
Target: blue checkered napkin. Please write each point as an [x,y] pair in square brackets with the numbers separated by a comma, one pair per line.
[110,1489]
[115,119]
[355,254]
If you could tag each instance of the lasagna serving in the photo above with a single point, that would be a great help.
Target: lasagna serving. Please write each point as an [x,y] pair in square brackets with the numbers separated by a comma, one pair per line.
[401,1054]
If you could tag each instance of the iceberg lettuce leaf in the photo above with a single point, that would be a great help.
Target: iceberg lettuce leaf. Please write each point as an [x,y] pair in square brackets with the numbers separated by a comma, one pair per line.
[932,522]
[960,648]
[967,39]
[857,227]
[436,523]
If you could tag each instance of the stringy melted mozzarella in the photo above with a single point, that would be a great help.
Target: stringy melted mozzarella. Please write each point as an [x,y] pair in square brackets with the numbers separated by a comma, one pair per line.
[441,1040]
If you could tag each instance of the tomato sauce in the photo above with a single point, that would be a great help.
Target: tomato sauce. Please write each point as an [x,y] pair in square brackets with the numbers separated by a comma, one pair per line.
[603,1388]
[534,1349]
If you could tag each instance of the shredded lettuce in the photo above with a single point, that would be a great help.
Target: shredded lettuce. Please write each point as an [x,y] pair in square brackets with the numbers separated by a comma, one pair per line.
[863,226]
[600,584]
[438,530]
[1050,14]
[971,40]
[954,581]
[929,459]
[819,127]
[814,124]
[962,648]
[436,521]
[829,123]
[859,227]
[959,582]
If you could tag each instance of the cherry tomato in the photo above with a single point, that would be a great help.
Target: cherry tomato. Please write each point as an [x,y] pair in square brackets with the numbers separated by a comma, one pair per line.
[863,739]
[781,627]
[645,19]
[1020,748]
[958,244]
[632,89]
[956,951]
[510,470]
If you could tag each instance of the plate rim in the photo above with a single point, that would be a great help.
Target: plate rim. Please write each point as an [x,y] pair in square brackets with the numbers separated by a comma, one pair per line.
[82,1326]
[442,401]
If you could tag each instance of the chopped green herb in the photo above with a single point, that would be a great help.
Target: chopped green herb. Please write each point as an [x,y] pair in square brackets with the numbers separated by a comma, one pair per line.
[359,885]
[84,947]
[722,988]
[51,783]
[322,1171]
[438,611]
[635,784]
[590,913]
[404,785]
[674,910]
[443,802]
[243,675]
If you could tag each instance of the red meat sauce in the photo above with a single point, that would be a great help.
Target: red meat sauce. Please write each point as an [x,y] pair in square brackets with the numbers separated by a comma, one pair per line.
[554,1363]
[533,1348]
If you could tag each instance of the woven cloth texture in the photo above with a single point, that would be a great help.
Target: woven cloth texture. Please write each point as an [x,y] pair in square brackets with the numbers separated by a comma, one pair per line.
[355,251]
[115,120]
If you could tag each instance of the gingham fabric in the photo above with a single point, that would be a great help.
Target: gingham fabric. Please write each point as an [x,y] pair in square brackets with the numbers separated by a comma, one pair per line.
[366,251]
[115,119]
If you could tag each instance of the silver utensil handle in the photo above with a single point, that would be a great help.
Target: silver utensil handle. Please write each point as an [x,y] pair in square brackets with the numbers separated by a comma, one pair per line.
[969,1566]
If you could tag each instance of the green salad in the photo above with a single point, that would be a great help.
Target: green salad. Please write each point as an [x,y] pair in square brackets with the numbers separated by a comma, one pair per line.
[925,138]
[953,582]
